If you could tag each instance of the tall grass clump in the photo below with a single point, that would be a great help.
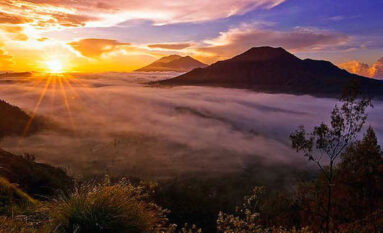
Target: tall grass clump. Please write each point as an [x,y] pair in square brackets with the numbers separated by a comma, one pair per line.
[114,208]
[13,201]
[10,225]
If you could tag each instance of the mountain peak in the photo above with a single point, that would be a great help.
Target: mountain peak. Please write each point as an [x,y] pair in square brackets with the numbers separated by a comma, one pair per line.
[175,63]
[169,58]
[265,53]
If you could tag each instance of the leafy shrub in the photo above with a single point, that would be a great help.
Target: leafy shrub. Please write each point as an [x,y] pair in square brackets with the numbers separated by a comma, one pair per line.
[246,217]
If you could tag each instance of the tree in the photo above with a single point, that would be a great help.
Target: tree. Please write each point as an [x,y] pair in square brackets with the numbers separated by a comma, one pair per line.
[329,141]
[360,179]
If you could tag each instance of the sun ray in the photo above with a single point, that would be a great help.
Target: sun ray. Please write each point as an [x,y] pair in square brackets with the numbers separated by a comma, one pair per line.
[31,84]
[33,115]
[85,89]
[53,97]
[67,82]
[66,103]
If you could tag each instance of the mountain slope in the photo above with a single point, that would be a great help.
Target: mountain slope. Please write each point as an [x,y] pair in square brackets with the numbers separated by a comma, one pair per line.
[13,121]
[35,178]
[173,63]
[275,70]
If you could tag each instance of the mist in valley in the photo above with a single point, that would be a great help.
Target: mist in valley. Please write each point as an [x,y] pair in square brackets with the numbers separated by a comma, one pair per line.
[117,124]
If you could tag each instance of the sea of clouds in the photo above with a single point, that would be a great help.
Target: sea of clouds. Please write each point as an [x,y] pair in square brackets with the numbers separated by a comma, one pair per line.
[116,123]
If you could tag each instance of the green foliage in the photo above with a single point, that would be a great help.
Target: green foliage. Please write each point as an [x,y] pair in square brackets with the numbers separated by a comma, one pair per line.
[114,208]
[247,218]
[198,199]
[359,181]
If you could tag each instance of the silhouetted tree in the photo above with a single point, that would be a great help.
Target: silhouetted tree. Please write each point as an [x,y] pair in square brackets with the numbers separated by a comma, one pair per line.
[328,141]
[359,180]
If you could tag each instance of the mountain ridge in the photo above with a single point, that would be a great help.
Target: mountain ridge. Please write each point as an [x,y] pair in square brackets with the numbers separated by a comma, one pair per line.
[173,63]
[13,121]
[269,69]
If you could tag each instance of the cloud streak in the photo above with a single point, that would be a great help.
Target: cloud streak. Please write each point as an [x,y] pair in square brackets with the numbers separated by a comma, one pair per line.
[68,13]
[170,46]
[95,47]
[6,18]
[238,40]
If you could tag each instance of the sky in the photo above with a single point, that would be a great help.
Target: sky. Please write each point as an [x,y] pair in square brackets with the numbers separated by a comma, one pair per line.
[123,35]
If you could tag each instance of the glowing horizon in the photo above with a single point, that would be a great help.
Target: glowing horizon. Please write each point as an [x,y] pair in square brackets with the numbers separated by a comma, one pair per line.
[116,35]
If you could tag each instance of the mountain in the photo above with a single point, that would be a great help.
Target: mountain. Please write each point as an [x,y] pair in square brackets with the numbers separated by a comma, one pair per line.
[13,121]
[15,74]
[173,63]
[275,70]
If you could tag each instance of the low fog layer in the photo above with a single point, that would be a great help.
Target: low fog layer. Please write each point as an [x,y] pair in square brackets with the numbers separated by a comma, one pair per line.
[115,123]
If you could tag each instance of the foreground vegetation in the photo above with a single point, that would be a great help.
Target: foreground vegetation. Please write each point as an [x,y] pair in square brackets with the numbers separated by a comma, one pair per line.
[126,207]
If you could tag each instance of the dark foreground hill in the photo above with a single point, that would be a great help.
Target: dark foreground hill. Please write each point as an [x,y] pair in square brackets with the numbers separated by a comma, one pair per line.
[36,179]
[174,63]
[13,121]
[276,70]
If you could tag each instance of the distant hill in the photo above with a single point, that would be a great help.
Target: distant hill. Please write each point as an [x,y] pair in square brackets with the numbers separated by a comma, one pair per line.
[36,179]
[173,63]
[13,121]
[276,70]
[16,74]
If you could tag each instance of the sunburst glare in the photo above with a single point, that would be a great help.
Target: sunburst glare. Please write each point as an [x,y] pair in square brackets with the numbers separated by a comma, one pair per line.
[54,66]
[50,81]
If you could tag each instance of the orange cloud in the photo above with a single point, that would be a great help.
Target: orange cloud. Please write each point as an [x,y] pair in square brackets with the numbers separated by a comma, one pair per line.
[170,46]
[377,68]
[12,29]
[356,67]
[42,14]
[69,13]
[6,61]
[6,18]
[95,47]
[15,32]
[65,20]
[240,39]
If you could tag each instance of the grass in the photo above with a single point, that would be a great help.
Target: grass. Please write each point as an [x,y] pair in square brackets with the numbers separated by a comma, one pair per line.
[118,208]
[9,225]
[13,200]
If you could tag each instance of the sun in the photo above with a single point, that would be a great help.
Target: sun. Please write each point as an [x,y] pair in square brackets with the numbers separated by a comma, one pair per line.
[54,66]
